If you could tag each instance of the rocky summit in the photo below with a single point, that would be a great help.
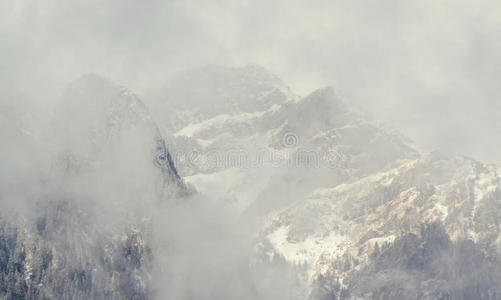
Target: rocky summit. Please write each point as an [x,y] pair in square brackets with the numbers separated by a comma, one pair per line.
[228,185]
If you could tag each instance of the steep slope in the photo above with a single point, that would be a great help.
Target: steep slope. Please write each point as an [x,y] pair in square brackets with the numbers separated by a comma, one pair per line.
[343,224]
[303,198]
[214,90]
[81,229]
[58,252]
[329,186]
[426,265]
[278,151]
[97,118]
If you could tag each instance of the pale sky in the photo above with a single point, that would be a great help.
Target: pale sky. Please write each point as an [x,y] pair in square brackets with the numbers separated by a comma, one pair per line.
[430,68]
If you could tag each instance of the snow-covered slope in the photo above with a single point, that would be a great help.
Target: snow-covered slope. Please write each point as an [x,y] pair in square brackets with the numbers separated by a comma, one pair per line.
[331,204]
[326,184]
[283,147]
[213,90]
[459,192]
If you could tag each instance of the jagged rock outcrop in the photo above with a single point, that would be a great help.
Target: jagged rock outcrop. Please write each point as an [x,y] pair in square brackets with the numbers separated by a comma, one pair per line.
[330,184]
[337,206]
[97,119]
[85,233]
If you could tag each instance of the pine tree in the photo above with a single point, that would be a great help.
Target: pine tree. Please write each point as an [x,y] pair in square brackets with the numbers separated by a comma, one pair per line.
[20,287]
[3,286]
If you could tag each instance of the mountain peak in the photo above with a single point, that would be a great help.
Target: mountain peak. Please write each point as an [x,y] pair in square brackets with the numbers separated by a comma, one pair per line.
[99,120]
[102,89]
[327,97]
[205,92]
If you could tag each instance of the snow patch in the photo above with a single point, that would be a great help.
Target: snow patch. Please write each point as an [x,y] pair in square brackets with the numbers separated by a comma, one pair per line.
[307,251]
[444,211]
[484,185]
[221,120]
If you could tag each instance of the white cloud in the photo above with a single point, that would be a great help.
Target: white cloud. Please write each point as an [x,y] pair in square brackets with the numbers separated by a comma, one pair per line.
[409,62]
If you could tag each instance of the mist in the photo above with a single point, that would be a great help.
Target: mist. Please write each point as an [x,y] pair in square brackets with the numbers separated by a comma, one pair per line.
[409,63]
[246,149]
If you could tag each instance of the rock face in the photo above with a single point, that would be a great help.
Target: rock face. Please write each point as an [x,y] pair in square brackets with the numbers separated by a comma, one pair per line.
[283,151]
[336,230]
[337,206]
[214,90]
[327,185]
[97,118]
[85,235]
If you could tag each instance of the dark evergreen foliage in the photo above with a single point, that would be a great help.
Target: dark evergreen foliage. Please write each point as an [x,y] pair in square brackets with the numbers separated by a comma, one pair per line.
[424,266]
[49,259]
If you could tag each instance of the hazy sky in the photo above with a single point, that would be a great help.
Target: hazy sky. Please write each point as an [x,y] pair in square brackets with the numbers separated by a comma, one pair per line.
[431,68]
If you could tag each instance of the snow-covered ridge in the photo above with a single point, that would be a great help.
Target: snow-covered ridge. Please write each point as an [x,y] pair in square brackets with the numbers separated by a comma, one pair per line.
[378,207]
[218,122]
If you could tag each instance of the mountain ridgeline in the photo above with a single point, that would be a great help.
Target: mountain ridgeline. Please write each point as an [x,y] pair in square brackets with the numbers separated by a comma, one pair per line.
[85,234]
[296,198]
[328,184]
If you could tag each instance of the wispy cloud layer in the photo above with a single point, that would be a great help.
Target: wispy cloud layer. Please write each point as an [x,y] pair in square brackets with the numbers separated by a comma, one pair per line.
[429,67]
